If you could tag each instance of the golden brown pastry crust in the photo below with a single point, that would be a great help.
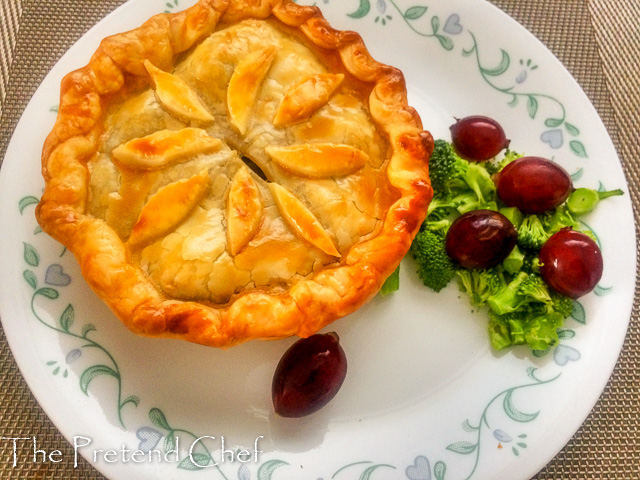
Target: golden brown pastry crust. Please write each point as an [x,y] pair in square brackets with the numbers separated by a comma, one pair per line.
[116,69]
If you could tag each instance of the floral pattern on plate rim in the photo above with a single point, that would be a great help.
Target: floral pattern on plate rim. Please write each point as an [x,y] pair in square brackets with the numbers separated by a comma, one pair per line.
[508,77]
[47,279]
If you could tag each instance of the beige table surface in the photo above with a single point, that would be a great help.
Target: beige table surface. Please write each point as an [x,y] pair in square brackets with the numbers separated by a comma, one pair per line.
[599,43]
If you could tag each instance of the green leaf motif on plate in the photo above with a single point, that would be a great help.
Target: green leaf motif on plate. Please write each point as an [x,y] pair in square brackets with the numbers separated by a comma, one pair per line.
[54,275]
[169,442]
[473,449]
[553,122]
[446,42]
[571,129]
[95,371]
[26,201]
[195,462]
[495,77]
[199,455]
[133,399]
[89,327]
[501,68]
[566,334]
[414,13]
[467,427]
[31,279]
[577,175]
[464,448]
[515,414]
[30,255]
[532,106]
[439,470]
[47,292]
[578,148]
[435,24]
[600,291]
[362,11]
[67,318]
[368,472]
[265,472]
[578,313]
[158,419]
[171,6]
[410,16]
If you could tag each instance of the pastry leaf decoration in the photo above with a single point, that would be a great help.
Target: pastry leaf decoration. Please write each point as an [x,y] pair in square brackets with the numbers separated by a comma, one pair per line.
[163,148]
[244,211]
[176,96]
[167,208]
[245,83]
[302,221]
[305,97]
[318,160]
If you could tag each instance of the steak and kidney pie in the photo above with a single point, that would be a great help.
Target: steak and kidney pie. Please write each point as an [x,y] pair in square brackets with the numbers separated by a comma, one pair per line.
[238,170]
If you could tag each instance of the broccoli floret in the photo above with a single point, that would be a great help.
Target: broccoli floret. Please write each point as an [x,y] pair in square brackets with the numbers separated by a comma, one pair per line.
[460,186]
[441,206]
[479,181]
[435,268]
[468,201]
[532,234]
[509,156]
[541,332]
[518,328]
[561,304]
[499,332]
[481,284]
[534,289]
[531,263]
[555,220]
[508,299]
[535,230]
[440,226]
[445,166]
[526,311]
[449,173]
[522,308]
[518,295]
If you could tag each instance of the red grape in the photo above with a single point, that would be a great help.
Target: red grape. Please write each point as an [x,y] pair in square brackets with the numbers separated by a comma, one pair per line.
[533,184]
[571,263]
[478,138]
[480,239]
[309,374]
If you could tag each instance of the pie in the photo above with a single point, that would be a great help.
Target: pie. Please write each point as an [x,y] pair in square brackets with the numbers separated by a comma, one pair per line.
[238,170]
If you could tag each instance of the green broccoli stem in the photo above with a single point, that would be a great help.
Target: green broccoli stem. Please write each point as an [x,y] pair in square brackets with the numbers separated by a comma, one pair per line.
[392,283]
[514,261]
[514,215]
[480,182]
[506,300]
[583,200]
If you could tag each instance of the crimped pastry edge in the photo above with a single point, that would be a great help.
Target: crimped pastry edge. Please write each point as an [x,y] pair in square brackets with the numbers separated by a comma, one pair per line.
[309,304]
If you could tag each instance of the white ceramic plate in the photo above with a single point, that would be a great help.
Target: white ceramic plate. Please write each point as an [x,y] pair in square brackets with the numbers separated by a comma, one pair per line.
[425,397]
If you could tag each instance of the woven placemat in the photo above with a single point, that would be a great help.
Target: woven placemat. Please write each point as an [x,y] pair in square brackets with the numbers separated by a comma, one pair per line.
[597,40]
[10,12]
